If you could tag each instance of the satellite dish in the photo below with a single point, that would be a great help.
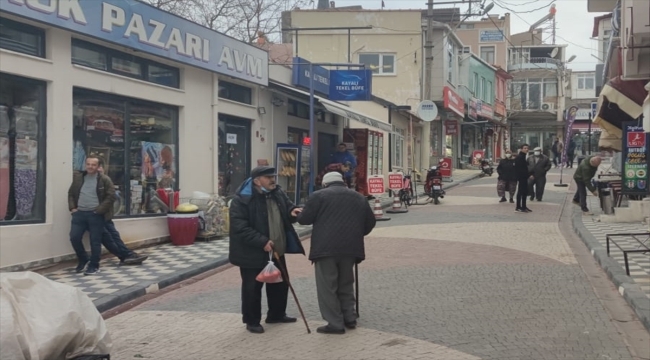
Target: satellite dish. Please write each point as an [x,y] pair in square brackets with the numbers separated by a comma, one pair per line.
[554,52]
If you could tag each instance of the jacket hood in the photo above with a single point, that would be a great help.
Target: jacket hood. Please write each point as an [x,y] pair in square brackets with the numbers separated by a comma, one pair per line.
[246,191]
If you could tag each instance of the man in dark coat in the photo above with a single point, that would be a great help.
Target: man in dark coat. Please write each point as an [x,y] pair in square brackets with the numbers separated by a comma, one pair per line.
[507,177]
[341,218]
[583,175]
[538,164]
[523,174]
[571,153]
[261,217]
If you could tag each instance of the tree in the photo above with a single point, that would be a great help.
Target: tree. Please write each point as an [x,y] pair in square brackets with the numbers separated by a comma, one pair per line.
[246,20]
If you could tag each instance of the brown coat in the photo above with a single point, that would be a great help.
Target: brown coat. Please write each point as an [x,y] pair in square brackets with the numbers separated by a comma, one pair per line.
[105,194]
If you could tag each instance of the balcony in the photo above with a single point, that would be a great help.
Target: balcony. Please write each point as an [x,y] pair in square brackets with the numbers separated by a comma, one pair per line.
[533,63]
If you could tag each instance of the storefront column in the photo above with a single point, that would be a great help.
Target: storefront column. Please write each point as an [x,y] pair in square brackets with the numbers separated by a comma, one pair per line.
[425,148]
[215,134]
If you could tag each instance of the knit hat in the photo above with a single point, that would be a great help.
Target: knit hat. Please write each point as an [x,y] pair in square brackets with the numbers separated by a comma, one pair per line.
[332,177]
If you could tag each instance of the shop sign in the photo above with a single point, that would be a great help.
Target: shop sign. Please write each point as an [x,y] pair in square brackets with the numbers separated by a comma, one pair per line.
[500,109]
[583,114]
[570,119]
[445,167]
[451,127]
[594,109]
[301,73]
[350,85]
[490,36]
[471,111]
[453,101]
[477,156]
[375,184]
[145,28]
[635,159]
[485,111]
[395,181]
[427,110]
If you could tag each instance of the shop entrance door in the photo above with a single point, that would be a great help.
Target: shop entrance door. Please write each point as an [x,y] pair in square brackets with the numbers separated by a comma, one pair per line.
[326,146]
[234,153]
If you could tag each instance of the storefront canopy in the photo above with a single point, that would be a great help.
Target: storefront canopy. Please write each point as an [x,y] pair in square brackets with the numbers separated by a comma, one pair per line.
[340,109]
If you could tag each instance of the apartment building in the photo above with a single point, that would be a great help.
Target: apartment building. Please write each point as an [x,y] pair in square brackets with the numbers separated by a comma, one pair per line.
[488,38]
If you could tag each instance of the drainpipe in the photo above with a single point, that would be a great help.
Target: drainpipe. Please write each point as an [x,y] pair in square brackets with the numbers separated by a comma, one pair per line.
[215,134]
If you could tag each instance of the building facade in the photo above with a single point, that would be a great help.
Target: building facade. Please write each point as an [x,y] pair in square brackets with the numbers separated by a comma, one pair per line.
[487,38]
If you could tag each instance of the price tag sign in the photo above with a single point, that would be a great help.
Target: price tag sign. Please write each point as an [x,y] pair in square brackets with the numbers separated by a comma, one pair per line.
[375,185]
[395,181]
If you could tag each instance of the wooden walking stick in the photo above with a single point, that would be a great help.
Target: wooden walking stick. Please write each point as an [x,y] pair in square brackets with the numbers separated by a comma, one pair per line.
[285,275]
[356,286]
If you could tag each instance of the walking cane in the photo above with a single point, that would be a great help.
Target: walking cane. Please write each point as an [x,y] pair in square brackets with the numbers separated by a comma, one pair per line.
[356,285]
[285,275]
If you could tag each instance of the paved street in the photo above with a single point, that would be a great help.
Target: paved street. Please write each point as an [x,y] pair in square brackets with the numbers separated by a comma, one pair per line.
[467,279]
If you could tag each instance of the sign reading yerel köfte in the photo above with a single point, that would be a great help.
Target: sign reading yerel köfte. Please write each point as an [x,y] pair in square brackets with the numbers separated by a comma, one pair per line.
[395,181]
[350,85]
[142,27]
[376,184]
[635,159]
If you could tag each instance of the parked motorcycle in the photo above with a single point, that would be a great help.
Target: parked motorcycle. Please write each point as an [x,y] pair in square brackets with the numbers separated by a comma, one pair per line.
[433,184]
[486,168]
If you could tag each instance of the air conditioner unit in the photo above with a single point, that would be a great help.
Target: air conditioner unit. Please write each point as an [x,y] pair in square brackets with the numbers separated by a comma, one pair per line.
[548,106]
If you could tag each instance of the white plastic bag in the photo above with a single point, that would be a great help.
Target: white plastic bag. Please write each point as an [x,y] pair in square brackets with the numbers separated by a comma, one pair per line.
[270,274]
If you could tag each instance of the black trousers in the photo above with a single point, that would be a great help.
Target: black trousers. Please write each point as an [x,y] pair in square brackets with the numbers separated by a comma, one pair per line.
[251,296]
[522,193]
[536,187]
[581,195]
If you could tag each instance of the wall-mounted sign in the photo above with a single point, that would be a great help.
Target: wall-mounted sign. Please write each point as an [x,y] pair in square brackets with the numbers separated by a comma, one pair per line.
[427,110]
[635,159]
[594,109]
[350,85]
[491,36]
[142,27]
[485,111]
[301,73]
[472,113]
[451,127]
[453,102]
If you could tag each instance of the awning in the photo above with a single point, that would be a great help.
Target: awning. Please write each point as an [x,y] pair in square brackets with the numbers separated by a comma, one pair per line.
[342,110]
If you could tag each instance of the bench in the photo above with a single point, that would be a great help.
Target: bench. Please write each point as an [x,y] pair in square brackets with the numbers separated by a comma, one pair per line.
[642,248]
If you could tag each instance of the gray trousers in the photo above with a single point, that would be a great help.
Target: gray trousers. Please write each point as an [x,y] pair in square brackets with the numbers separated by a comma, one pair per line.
[335,289]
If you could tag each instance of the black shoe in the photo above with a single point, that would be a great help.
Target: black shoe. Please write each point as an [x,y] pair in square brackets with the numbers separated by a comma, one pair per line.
[532,198]
[81,267]
[327,329]
[284,320]
[351,325]
[91,271]
[134,259]
[539,199]
[503,199]
[520,210]
[255,329]
[512,201]
[576,202]
[527,210]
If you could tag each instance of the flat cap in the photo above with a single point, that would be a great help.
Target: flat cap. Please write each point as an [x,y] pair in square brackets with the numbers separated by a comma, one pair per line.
[263,171]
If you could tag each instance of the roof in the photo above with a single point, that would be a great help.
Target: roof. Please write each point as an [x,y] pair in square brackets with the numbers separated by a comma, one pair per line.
[597,20]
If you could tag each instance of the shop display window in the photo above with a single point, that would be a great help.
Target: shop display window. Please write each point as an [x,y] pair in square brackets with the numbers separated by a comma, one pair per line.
[22,38]
[234,92]
[101,58]
[22,150]
[138,143]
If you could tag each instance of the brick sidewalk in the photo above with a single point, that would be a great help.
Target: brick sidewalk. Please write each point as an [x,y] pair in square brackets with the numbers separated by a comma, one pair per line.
[169,264]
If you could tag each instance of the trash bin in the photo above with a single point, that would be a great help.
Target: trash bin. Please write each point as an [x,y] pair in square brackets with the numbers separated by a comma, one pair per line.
[183,225]
[606,201]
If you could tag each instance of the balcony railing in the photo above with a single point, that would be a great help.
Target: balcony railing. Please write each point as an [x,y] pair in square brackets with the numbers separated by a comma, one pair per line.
[534,63]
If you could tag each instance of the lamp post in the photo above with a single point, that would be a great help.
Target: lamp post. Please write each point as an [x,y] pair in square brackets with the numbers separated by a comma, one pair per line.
[392,107]
[589,134]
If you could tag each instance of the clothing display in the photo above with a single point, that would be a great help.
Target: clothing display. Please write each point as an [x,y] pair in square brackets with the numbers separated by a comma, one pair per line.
[25,184]
[78,157]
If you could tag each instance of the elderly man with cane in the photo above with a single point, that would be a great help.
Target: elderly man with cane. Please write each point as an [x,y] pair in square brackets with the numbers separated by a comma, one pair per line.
[341,218]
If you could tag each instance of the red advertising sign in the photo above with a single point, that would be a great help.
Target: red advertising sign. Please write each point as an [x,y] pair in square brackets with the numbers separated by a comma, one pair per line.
[375,184]
[635,139]
[453,102]
[395,181]
[477,156]
[451,127]
[445,167]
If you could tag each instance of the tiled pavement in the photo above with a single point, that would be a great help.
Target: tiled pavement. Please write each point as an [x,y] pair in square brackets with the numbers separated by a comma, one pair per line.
[168,264]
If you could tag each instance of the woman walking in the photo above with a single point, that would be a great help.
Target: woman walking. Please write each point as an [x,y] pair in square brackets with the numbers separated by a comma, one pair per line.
[507,177]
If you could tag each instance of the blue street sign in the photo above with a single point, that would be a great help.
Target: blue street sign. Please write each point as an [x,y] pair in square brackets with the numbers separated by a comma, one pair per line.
[350,85]
[300,76]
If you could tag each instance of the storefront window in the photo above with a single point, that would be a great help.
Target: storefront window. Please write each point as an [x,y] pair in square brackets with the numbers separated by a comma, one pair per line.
[137,142]
[22,38]
[22,150]
[398,149]
[234,153]
[235,92]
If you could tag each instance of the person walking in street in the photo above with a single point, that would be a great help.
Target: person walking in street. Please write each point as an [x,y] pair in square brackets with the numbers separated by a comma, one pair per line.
[570,153]
[507,177]
[261,217]
[341,218]
[538,165]
[90,201]
[556,151]
[523,174]
[583,175]
[343,156]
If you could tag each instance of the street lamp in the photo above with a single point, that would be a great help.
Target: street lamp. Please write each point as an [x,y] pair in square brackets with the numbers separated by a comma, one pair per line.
[392,107]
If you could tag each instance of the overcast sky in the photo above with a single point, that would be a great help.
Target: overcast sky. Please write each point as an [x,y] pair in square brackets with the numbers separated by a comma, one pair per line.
[574,23]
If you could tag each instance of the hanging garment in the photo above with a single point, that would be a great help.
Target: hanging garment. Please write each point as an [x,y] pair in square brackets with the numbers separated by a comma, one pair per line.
[78,157]
[25,191]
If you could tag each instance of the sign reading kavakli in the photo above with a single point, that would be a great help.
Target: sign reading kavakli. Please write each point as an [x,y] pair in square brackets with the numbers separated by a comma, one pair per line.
[145,28]
[635,159]
[375,185]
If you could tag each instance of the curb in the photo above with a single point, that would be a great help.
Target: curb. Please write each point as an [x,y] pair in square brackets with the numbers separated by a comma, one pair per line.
[631,292]
[131,293]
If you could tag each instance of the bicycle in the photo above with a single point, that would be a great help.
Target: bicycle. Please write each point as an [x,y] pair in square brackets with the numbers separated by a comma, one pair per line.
[407,193]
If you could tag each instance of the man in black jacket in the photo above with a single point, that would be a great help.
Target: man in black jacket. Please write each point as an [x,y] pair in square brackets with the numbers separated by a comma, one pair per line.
[523,174]
[538,164]
[261,217]
[507,177]
[341,218]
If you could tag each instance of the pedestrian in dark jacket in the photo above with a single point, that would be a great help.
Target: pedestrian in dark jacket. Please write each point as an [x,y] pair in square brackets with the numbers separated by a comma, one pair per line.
[583,175]
[571,153]
[507,177]
[261,217]
[538,165]
[523,174]
[341,218]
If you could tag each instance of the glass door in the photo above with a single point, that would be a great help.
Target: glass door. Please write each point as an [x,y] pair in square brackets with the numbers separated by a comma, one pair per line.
[234,153]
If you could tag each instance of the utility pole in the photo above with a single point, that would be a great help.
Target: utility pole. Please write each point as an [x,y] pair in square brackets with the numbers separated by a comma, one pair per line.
[428,57]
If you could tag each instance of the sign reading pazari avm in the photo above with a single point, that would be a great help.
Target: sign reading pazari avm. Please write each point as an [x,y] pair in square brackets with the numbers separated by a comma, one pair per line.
[145,28]
[350,85]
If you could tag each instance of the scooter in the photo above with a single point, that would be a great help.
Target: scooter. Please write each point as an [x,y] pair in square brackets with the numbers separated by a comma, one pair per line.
[433,184]
[486,168]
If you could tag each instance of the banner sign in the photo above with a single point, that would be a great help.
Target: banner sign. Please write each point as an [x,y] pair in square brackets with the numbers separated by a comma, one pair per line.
[301,73]
[376,184]
[490,36]
[451,127]
[142,27]
[350,85]
[635,159]
[570,118]
[395,181]
[445,167]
